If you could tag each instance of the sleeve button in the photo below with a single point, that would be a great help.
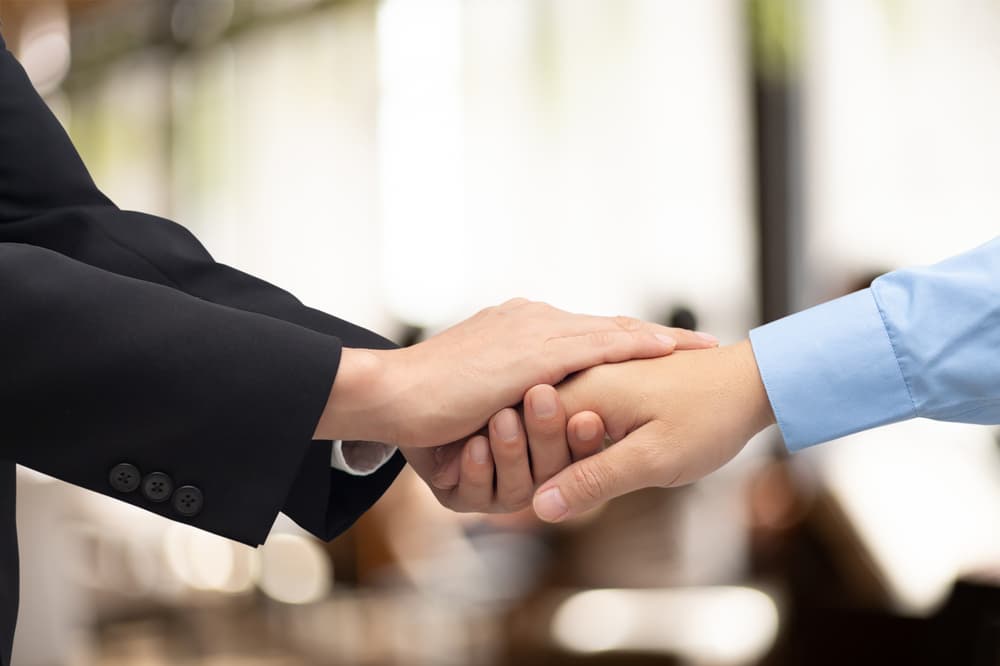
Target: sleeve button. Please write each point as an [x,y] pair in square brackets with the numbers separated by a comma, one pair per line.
[188,501]
[124,477]
[157,487]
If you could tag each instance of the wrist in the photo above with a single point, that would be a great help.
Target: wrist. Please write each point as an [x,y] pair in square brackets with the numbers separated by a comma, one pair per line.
[753,392]
[358,406]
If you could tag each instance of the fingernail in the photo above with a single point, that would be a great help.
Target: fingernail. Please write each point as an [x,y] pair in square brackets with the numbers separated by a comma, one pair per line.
[666,339]
[707,336]
[479,450]
[550,505]
[586,431]
[507,425]
[543,403]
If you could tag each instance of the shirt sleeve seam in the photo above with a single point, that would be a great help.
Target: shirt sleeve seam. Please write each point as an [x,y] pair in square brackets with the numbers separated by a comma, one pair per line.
[945,415]
[895,353]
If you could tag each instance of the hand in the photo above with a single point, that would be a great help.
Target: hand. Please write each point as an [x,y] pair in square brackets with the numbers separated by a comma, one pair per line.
[678,419]
[495,473]
[446,388]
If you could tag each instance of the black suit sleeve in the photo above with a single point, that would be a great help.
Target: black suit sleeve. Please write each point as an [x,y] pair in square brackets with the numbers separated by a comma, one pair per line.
[49,202]
[101,369]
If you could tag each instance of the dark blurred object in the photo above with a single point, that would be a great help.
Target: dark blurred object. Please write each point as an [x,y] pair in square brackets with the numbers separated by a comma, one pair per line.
[864,280]
[411,335]
[836,607]
[682,316]
[965,632]
[775,31]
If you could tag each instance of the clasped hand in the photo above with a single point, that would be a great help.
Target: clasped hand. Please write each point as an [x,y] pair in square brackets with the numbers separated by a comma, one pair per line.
[446,402]
[673,420]
[456,389]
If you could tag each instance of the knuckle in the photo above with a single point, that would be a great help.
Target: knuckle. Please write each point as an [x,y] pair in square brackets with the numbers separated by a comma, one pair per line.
[601,338]
[546,434]
[628,323]
[590,480]
[662,455]
[509,451]
[474,478]
[477,506]
[547,438]
[515,500]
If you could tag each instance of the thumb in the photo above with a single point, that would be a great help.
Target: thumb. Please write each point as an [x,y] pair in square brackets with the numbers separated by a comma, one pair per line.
[629,465]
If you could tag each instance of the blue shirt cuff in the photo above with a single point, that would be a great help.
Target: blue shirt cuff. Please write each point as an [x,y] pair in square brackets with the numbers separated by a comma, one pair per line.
[830,371]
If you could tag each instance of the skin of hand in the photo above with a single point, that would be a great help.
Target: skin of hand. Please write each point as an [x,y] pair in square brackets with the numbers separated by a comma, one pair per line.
[499,471]
[674,420]
[447,387]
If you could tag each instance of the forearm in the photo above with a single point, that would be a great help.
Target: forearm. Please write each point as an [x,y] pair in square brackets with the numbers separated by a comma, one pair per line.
[749,387]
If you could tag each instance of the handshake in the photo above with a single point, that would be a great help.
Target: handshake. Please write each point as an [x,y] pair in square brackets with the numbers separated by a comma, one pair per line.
[515,406]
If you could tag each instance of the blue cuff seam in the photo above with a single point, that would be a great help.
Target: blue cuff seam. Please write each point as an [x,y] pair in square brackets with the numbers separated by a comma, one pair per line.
[892,346]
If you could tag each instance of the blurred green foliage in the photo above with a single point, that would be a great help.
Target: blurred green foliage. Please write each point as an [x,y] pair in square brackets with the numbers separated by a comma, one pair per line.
[776,37]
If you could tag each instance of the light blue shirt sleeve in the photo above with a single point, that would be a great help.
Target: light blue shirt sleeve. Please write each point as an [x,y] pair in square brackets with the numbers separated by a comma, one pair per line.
[919,342]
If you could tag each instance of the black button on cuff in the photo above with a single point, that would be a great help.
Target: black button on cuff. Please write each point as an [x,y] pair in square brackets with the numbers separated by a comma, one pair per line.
[188,501]
[124,477]
[157,487]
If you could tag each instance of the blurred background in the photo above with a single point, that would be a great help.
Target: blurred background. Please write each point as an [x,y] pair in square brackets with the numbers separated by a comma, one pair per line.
[717,163]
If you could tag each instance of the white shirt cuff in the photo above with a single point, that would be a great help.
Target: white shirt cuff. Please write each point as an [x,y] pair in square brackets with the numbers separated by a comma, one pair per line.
[360,458]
